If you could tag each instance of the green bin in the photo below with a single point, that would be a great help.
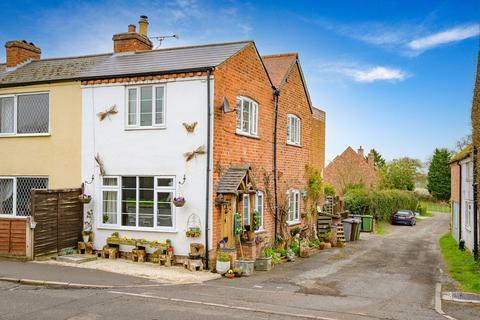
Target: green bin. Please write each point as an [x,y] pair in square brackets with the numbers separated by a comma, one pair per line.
[367,223]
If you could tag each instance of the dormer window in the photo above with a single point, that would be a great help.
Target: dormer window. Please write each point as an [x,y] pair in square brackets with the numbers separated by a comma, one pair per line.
[146,107]
[247,116]
[293,130]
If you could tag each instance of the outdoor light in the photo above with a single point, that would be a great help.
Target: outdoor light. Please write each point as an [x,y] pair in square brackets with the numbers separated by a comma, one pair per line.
[304,195]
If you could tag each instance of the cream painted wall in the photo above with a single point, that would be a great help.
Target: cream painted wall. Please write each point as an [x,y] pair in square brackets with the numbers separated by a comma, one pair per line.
[56,155]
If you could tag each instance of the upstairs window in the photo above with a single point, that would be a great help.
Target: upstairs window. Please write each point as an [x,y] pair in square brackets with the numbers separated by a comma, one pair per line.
[24,114]
[146,107]
[293,130]
[247,116]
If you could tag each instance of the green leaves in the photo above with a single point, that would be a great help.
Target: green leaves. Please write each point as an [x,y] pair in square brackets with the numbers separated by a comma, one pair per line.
[399,174]
[439,175]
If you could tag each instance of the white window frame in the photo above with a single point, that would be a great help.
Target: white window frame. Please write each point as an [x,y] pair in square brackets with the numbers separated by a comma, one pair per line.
[294,130]
[293,206]
[14,194]
[154,125]
[260,210]
[246,217]
[252,117]
[15,108]
[156,189]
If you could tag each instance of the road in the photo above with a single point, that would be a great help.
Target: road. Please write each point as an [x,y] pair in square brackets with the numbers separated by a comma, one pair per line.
[389,277]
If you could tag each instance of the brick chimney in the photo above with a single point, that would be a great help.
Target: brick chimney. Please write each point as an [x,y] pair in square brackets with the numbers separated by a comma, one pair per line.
[19,51]
[132,40]
[371,159]
[360,152]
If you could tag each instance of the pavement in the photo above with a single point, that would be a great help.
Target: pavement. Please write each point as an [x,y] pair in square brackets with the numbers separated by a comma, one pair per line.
[379,277]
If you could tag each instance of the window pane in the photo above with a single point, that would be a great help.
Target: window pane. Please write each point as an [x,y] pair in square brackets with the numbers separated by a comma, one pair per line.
[289,129]
[6,115]
[164,209]
[239,114]
[160,105]
[109,207]
[32,113]
[25,185]
[132,106]
[145,205]
[259,207]
[246,210]
[254,111]
[129,201]
[6,196]
[145,106]
[246,116]
[164,182]
[108,181]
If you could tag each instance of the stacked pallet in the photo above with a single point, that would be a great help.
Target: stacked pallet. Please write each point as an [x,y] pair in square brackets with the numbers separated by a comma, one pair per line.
[340,233]
[323,225]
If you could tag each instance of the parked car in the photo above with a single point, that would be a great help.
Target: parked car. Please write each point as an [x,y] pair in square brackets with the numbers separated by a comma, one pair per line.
[404,217]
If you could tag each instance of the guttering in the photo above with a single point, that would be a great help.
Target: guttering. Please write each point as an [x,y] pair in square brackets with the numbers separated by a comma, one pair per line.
[475,203]
[276,94]
[208,173]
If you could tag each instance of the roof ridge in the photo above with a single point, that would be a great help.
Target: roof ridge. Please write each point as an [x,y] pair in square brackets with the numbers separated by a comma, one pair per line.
[279,55]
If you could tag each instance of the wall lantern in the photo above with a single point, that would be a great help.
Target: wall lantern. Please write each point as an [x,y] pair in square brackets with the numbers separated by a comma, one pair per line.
[304,195]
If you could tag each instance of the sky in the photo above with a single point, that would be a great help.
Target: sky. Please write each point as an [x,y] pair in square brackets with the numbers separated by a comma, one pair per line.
[397,76]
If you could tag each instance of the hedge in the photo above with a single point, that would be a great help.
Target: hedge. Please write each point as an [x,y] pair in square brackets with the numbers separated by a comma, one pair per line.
[382,204]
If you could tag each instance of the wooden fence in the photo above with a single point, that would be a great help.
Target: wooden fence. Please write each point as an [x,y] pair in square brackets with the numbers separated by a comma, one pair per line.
[59,218]
[13,236]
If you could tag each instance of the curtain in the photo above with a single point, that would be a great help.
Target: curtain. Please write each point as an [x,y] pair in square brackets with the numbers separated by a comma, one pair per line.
[109,207]
[6,196]
[6,115]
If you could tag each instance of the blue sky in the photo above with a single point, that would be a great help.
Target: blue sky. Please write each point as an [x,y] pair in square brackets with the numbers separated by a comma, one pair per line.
[397,76]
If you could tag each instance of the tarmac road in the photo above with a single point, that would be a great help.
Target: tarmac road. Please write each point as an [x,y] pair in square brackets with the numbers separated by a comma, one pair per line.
[389,277]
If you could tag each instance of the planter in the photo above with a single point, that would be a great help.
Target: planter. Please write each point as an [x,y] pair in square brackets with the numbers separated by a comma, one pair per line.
[126,242]
[222,266]
[84,198]
[263,264]
[179,201]
[86,237]
[291,257]
[247,266]
[230,275]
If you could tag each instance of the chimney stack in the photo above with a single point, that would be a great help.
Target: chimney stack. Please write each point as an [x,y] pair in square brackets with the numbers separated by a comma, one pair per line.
[360,152]
[371,159]
[133,41]
[19,52]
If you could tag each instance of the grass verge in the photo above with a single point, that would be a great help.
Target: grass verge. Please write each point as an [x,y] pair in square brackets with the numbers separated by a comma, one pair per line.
[460,264]
[381,228]
[436,207]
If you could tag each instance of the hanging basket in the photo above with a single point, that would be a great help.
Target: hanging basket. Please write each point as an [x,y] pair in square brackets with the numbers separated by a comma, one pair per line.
[179,201]
[194,227]
[83,198]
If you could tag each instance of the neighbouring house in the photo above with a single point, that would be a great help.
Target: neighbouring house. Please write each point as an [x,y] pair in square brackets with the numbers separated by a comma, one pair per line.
[351,168]
[461,166]
[40,134]
[219,125]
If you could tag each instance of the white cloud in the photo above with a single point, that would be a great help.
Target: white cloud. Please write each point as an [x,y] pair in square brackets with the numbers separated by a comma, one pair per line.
[444,37]
[362,73]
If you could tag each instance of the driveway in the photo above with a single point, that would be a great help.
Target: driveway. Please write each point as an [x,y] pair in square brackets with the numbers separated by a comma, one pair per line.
[389,277]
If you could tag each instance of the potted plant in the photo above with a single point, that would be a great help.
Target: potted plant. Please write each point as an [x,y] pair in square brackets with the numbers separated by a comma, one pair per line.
[223,262]
[256,221]
[290,255]
[85,198]
[193,232]
[179,201]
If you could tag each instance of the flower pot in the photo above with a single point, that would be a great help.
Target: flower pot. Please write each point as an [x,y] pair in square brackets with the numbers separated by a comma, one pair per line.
[230,275]
[86,237]
[222,266]
[179,202]
[263,264]
[246,266]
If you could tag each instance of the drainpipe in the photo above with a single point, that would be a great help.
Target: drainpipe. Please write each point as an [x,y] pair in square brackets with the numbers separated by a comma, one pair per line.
[276,93]
[207,198]
[460,203]
[475,203]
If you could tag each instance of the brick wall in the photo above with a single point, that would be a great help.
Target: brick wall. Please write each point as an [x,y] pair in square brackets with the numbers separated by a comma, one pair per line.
[318,140]
[455,182]
[349,168]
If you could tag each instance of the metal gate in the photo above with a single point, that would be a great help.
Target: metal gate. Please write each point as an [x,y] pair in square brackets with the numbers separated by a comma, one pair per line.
[59,218]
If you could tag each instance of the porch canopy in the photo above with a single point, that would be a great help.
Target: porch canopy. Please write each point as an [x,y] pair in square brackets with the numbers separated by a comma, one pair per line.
[236,180]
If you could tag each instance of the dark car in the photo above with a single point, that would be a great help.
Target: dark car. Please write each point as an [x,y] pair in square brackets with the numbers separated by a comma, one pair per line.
[404,217]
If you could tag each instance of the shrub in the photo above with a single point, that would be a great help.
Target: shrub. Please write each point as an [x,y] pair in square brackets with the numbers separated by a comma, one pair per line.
[223,256]
[271,252]
[328,190]
[357,201]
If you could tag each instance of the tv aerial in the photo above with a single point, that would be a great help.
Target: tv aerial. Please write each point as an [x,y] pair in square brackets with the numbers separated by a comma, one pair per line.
[161,38]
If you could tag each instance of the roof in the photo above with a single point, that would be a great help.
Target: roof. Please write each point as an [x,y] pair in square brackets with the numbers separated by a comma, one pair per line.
[232,178]
[465,153]
[180,59]
[278,66]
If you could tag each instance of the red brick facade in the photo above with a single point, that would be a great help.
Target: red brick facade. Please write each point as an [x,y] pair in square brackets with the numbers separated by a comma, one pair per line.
[350,168]
[455,182]
[21,51]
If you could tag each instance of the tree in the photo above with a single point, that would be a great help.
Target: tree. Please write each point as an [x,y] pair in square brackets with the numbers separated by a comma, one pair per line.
[378,159]
[439,174]
[399,174]
[462,143]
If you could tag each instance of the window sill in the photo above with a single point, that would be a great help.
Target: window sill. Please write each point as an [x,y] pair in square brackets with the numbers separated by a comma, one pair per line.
[243,134]
[145,128]
[26,135]
[133,229]
[11,216]
[293,223]
[294,145]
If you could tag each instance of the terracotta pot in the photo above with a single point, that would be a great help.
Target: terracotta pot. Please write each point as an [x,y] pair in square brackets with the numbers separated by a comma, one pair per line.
[230,275]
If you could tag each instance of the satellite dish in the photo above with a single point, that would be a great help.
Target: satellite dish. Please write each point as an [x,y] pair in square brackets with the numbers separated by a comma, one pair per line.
[225,106]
